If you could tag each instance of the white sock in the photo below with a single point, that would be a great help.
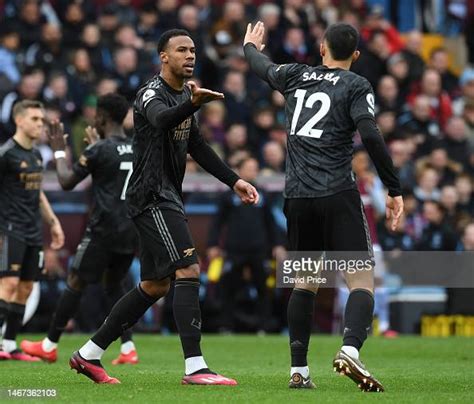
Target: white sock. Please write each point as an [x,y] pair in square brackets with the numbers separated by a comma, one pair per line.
[127,347]
[91,351]
[351,351]
[194,364]
[302,370]
[9,345]
[48,345]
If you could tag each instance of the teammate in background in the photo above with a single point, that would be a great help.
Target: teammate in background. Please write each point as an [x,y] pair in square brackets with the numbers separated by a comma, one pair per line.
[22,206]
[107,248]
[165,132]
[324,105]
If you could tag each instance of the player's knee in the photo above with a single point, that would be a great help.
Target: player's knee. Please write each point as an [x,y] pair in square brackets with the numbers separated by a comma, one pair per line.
[368,288]
[191,271]
[74,282]
[23,291]
[156,288]
[308,287]
[8,287]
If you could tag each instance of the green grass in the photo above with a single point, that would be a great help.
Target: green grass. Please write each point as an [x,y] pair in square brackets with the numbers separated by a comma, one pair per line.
[422,370]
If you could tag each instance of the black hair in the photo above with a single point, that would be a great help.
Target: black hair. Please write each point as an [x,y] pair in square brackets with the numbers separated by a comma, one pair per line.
[114,105]
[167,35]
[342,39]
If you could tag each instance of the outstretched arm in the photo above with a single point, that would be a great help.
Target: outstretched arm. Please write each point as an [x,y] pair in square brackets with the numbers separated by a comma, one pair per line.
[253,47]
[162,116]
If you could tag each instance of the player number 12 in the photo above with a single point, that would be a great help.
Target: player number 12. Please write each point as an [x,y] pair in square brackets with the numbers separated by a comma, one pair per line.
[308,128]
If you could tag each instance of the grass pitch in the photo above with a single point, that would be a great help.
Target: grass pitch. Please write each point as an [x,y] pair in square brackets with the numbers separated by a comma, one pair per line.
[412,369]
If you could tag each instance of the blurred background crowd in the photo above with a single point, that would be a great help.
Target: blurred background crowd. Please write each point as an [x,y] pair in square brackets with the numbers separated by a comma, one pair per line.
[417,54]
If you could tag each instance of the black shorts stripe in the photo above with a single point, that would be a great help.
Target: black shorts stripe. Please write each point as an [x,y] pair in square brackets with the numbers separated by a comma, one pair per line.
[165,235]
[4,252]
[80,252]
[370,248]
[173,245]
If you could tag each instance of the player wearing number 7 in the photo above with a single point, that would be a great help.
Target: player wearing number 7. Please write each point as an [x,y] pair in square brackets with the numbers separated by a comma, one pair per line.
[107,248]
[324,106]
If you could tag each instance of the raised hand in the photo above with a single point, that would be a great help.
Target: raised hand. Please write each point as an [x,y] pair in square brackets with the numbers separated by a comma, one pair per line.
[255,35]
[56,136]
[202,96]
[91,136]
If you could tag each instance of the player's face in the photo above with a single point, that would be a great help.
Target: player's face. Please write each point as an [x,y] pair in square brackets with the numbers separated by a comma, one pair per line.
[31,122]
[180,56]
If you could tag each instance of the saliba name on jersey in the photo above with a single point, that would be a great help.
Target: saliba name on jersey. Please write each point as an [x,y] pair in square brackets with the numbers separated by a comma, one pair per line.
[322,76]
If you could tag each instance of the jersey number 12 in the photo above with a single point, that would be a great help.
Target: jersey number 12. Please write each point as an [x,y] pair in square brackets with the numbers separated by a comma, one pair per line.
[308,128]
[126,166]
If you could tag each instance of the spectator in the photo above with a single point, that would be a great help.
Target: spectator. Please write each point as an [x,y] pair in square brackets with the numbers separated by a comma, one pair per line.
[273,159]
[468,115]
[148,25]
[294,49]
[49,53]
[464,187]
[387,94]
[9,44]
[419,124]
[439,61]
[440,102]
[74,19]
[232,22]
[449,200]
[446,168]
[427,188]
[403,162]
[167,11]
[213,122]
[456,142]
[91,42]
[386,121]
[466,82]
[125,12]
[29,22]
[238,109]
[394,241]
[56,92]
[270,15]
[412,54]
[376,23]
[125,72]
[437,235]
[398,68]
[81,75]
[235,139]
[372,62]
[108,22]
[29,88]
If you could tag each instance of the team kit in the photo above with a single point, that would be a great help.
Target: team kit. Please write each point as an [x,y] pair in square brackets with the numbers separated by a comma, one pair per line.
[138,206]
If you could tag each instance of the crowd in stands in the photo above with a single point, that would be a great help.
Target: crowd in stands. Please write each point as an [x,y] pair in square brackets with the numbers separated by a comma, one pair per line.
[67,53]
